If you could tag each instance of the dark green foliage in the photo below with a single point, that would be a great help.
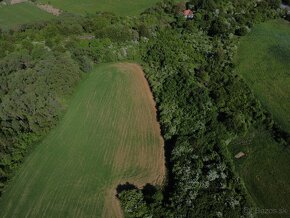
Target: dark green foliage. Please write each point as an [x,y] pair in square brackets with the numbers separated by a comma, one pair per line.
[205,180]
[33,89]
[117,33]
[134,204]
[197,108]
[179,95]
[274,3]
[242,31]
[205,4]
[223,17]
[202,104]
[35,83]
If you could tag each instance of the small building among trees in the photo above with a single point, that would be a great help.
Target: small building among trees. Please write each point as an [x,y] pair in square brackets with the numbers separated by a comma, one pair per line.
[188,14]
[184,9]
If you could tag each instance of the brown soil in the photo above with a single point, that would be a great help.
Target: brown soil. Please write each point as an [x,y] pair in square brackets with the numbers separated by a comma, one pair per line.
[146,157]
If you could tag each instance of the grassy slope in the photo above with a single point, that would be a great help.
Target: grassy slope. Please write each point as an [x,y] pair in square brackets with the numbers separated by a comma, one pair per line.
[120,7]
[14,15]
[265,170]
[264,61]
[108,135]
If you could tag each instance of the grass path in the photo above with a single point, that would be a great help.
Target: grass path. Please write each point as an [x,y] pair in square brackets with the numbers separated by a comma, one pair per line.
[108,135]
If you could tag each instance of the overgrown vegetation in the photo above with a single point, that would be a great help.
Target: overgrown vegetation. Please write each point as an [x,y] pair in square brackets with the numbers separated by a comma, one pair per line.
[35,84]
[202,103]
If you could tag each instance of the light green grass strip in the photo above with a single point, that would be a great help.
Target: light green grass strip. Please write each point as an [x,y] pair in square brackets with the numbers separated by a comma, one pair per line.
[264,62]
[13,15]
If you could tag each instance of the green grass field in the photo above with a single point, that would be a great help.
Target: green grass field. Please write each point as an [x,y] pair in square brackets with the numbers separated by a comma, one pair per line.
[263,60]
[108,136]
[120,7]
[14,15]
[265,170]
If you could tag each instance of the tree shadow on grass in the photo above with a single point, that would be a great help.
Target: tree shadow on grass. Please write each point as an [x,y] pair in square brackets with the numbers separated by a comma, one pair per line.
[280,53]
[125,187]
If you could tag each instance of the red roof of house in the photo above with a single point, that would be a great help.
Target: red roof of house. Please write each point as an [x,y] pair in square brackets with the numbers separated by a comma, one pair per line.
[187,12]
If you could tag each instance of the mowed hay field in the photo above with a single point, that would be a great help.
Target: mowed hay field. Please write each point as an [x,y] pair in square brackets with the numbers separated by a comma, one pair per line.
[265,170]
[263,60]
[14,15]
[108,136]
[119,7]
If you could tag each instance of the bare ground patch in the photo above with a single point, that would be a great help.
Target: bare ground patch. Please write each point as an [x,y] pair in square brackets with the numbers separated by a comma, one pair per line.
[13,2]
[45,7]
[50,9]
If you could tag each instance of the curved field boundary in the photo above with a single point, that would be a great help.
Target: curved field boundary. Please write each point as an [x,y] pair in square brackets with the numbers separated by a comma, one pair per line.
[108,136]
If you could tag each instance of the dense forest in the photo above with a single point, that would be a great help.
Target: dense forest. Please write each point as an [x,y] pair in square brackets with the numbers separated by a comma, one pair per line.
[202,104]
[35,83]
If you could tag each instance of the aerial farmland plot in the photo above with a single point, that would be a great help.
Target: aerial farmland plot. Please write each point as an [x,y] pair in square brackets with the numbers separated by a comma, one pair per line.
[108,136]
[204,131]
[123,7]
[14,15]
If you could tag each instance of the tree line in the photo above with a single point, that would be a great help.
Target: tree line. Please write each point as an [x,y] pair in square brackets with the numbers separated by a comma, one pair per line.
[40,65]
[202,104]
